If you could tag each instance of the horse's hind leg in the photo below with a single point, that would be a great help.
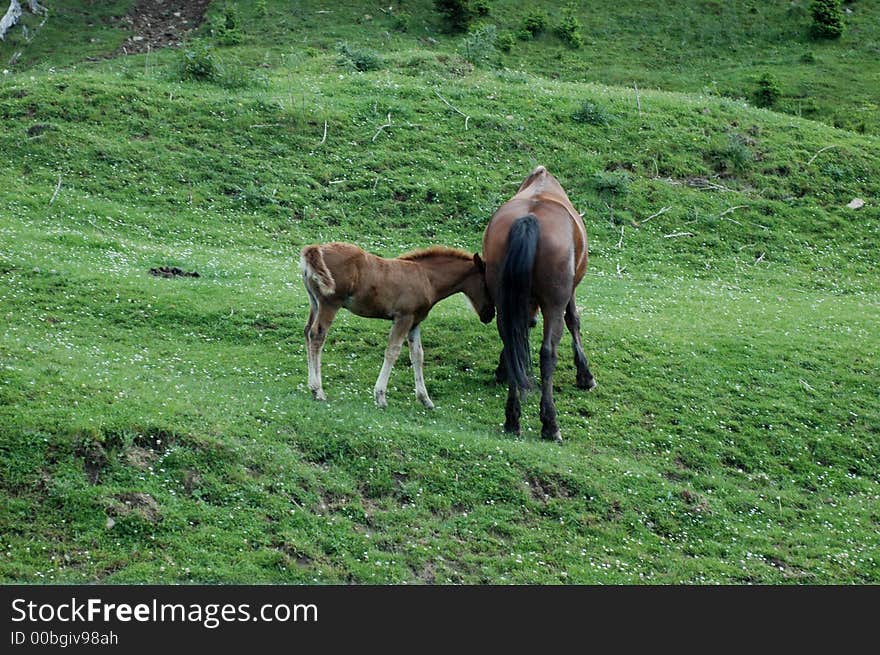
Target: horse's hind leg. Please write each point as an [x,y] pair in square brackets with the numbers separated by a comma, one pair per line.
[399,330]
[552,335]
[417,357]
[585,379]
[318,326]
[512,410]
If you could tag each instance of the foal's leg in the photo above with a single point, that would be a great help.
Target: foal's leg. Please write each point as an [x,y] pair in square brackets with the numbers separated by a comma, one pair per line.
[399,330]
[417,357]
[313,310]
[317,333]
[585,379]
[552,334]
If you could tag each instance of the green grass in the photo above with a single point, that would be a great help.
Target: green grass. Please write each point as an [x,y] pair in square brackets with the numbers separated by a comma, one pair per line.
[733,436]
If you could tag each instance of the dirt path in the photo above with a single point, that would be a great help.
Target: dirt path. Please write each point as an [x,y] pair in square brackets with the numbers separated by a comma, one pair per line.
[161,23]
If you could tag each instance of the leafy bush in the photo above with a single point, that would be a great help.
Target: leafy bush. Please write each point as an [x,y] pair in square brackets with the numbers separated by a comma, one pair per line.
[400,21]
[460,14]
[227,27]
[768,91]
[478,47]
[569,29]
[735,155]
[827,19]
[591,113]
[535,23]
[505,42]
[197,63]
[360,60]
[261,8]
[615,183]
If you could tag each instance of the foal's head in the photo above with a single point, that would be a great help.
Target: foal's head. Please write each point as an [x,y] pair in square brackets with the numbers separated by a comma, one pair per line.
[477,291]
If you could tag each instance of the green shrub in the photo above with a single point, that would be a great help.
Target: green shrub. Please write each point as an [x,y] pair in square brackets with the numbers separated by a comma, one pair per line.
[459,14]
[505,42]
[358,59]
[400,22]
[535,23]
[827,19]
[227,27]
[734,155]
[591,113]
[569,28]
[197,63]
[478,47]
[614,183]
[768,91]
[262,8]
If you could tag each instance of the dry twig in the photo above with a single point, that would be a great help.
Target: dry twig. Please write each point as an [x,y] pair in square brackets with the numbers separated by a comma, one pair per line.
[662,211]
[383,126]
[57,189]
[819,152]
[454,108]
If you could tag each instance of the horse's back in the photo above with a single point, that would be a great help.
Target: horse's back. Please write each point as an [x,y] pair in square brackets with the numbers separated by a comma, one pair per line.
[561,254]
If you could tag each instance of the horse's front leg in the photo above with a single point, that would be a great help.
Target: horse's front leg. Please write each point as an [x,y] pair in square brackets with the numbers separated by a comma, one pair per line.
[399,330]
[417,357]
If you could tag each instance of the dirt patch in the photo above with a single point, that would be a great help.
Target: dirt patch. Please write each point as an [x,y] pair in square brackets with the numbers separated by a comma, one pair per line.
[547,487]
[94,461]
[161,23]
[135,502]
[695,501]
[37,129]
[172,271]
[191,482]
[140,458]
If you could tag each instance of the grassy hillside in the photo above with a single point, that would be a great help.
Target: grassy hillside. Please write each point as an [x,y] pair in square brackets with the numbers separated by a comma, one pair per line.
[161,430]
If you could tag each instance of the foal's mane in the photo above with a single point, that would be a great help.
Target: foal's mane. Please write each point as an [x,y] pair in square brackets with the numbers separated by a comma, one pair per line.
[435,251]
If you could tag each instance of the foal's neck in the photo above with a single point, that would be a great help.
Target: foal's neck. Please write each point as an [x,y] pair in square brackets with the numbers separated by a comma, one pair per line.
[446,274]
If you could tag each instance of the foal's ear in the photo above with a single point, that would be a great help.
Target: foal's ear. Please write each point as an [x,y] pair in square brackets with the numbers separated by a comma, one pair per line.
[481,265]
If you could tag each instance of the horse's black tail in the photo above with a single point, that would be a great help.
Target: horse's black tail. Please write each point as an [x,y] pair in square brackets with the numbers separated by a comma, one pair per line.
[514,296]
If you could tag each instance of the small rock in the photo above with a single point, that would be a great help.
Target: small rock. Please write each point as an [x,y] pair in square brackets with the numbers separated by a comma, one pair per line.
[856,203]
[110,522]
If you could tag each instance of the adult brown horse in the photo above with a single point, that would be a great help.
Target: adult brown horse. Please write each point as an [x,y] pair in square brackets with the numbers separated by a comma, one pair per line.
[535,250]
[402,290]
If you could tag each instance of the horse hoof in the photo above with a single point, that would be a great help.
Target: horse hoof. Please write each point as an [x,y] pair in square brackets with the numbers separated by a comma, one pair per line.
[380,400]
[511,429]
[587,385]
[318,394]
[554,436]
[427,403]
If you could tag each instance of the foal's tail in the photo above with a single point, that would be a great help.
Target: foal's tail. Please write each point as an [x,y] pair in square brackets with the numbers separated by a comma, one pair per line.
[311,262]
[515,292]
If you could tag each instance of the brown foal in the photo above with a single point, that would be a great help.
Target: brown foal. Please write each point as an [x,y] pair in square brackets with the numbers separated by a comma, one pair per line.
[402,290]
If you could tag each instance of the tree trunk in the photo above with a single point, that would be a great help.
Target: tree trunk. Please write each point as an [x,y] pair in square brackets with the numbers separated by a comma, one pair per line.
[10,18]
